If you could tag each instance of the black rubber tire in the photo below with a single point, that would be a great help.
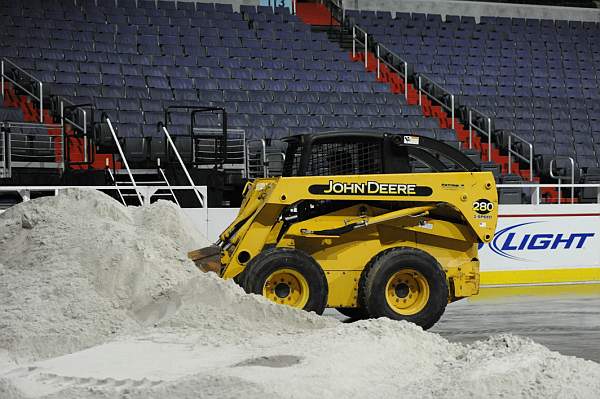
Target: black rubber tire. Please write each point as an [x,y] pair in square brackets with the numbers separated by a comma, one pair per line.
[268,261]
[353,313]
[384,265]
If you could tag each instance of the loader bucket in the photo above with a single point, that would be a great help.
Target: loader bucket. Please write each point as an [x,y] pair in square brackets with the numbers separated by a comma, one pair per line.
[207,259]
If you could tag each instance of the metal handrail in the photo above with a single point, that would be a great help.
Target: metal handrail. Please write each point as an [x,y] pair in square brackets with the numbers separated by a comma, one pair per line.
[280,154]
[33,125]
[559,178]
[63,119]
[122,154]
[201,134]
[4,77]
[252,170]
[5,167]
[450,108]
[487,133]
[512,152]
[336,11]
[185,170]
[261,168]
[382,58]
[32,138]
[355,39]
[194,111]
[148,191]
[112,176]
[162,173]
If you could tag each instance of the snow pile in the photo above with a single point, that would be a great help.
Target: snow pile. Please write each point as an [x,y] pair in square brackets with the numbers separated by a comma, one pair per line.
[81,271]
[79,268]
[76,265]
[375,358]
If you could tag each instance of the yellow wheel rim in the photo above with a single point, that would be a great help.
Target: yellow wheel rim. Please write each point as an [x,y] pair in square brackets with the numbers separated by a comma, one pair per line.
[407,292]
[287,287]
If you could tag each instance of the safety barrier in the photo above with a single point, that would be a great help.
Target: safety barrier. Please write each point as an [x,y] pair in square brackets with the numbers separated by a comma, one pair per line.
[392,60]
[515,139]
[11,72]
[263,160]
[429,88]
[560,177]
[37,145]
[123,159]
[5,169]
[183,167]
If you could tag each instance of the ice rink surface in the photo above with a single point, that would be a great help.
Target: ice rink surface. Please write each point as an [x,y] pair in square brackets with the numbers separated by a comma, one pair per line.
[565,318]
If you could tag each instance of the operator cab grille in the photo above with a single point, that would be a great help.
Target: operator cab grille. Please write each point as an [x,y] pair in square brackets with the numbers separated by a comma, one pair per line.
[349,158]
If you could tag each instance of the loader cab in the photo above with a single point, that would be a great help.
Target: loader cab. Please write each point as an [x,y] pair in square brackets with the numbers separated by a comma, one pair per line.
[357,153]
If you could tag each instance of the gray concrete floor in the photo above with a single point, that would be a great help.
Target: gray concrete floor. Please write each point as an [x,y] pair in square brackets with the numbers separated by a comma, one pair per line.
[563,318]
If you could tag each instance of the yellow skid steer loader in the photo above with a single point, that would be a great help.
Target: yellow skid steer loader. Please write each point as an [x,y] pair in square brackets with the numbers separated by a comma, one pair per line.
[353,225]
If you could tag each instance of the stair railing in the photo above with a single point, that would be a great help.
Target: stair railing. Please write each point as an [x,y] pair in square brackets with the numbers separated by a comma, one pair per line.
[5,169]
[114,180]
[560,177]
[392,60]
[123,158]
[360,37]
[260,158]
[5,65]
[220,136]
[164,177]
[427,86]
[25,139]
[256,165]
[515,139]
[78,117]
[475,115]
[185,170]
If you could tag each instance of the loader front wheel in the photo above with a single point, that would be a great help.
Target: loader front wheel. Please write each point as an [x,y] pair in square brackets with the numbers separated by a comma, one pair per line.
[287,277]
[405,284]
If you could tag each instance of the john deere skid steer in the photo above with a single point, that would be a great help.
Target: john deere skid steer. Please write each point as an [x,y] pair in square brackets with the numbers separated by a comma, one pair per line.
[352,225]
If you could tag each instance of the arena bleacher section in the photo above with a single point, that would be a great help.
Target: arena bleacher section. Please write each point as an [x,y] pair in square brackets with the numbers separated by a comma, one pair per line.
[275,75]
[536,78]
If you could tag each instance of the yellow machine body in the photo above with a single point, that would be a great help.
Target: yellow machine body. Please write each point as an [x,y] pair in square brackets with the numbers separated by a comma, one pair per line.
[443,214]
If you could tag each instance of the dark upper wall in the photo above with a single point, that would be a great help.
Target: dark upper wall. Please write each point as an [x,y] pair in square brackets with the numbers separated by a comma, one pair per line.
[477,9]
[559,3]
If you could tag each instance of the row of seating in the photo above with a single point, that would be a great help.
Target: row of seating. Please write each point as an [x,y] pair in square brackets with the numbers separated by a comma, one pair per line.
[530,103]
[128,75]
[313,59]
[523,78]
[174,66]
[134,44]
[468,20]
[283,107]
[123,7]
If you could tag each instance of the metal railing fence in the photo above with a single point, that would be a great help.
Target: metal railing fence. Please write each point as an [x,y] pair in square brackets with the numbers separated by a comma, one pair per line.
[11,72]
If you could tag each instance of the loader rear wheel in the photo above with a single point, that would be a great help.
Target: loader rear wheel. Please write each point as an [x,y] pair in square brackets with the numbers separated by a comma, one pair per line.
[405,284]
[288,277]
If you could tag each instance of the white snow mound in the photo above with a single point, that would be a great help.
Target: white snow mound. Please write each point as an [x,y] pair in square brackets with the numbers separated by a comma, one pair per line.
[99,301]
[79,268]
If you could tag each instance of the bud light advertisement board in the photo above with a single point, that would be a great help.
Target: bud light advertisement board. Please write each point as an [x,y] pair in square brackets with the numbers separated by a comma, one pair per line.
[543,242]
